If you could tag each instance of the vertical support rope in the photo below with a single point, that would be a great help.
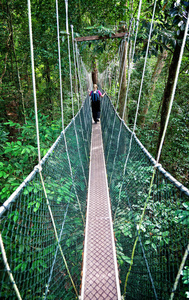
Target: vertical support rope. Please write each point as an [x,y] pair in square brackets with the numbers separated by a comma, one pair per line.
[129,74]
[39,157]
[139,97]
[144,68]
[117,103]
[75,67]
[71,87]
[60,72]
[128,85]
[70,166]
[33,80]
[130,63]
[52,267]
[79,73]
[56,234]
[119,134]
[155,167]
[78,98]
[89,83]
[80,83]
[179,272]
[38,144]
[8,268]
[69,58]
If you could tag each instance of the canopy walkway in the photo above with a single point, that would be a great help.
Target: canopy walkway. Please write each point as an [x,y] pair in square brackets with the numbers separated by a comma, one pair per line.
[33,253]
[97,218]
[100,272]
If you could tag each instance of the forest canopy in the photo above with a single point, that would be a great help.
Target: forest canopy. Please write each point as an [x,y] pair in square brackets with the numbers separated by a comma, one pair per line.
[18,148]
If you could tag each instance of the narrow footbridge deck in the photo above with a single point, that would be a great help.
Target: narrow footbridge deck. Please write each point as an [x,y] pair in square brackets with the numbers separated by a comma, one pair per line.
[100,272]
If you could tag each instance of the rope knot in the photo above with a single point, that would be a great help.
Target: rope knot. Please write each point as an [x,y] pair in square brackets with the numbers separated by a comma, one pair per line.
[157,165]
[38,168]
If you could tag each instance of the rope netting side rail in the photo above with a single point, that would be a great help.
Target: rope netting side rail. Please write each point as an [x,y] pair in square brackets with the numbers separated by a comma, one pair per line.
[28,235]
[164,232]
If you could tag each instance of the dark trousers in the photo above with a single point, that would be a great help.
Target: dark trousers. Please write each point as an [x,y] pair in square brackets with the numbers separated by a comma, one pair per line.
[96,110]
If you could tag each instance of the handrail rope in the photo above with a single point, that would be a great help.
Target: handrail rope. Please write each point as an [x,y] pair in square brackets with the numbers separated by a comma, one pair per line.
[71,88]
[158,157]
[39,155]
[15,194]
[167,175]
[78,102]
[39,159]
[8,268]
[134,247]
[119,134]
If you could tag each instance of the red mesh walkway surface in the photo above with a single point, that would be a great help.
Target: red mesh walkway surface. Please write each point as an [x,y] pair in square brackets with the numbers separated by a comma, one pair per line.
[100,274]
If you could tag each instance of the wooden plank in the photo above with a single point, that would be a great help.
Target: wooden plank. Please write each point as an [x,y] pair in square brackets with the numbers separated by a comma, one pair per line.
[96,37]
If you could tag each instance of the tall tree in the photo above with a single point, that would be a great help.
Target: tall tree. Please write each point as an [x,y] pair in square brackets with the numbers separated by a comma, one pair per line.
[157,71]
[180,12]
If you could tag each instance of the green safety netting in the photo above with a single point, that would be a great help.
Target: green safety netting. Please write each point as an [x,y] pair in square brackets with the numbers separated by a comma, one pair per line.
[31,248]
[29,238]
[163,238]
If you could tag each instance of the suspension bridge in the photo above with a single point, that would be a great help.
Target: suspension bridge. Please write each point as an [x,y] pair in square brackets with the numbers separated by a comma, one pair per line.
[98,217]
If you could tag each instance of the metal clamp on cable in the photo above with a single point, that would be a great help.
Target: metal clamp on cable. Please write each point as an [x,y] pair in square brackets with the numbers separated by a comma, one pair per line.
[38,168]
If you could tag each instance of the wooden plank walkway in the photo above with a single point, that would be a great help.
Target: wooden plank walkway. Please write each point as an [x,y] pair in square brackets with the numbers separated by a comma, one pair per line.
[100,272]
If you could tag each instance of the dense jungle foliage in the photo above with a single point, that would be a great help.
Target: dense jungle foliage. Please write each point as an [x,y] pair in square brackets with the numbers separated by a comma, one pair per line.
[18,142]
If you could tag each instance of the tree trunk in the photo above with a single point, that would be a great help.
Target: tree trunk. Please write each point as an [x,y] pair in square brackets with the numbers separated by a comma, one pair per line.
[48,89]
[167,92]
[157,71]
[94,71]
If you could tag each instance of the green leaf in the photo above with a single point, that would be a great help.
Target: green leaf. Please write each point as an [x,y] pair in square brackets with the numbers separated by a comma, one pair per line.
[18,267]
[154,246]
[21,248]
[126,259]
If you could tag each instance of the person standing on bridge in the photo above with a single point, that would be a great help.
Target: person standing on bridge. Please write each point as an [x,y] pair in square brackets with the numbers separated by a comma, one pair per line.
[95,102]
